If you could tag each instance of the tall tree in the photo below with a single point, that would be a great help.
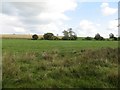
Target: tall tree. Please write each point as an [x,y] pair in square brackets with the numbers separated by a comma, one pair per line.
[69,34]
[66,33]
[97,36]
[111,35]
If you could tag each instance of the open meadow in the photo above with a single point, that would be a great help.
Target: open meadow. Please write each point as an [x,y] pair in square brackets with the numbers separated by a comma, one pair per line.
[57,63]
[59,44]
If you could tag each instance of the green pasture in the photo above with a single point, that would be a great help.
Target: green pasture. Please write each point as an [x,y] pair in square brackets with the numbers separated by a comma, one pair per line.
[66,64]
[21,45]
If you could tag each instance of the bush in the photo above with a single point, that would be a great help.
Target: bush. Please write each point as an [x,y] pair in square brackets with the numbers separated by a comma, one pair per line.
[98,37]
[101,38]
[111,35]
[34,37]
[41,38]
[65,38]
[55,38]
[115,38]
[108,39]
[73,37]
[119,38]
[88,38]
[48,36]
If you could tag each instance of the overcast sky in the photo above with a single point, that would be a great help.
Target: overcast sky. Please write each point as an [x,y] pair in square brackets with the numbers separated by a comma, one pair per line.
[85,18]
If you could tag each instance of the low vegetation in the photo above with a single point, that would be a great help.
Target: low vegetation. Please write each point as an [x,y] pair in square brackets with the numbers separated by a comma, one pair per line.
[59,64]
[35,37]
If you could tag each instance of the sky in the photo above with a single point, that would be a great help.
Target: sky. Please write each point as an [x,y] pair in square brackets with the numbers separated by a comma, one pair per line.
[85,18]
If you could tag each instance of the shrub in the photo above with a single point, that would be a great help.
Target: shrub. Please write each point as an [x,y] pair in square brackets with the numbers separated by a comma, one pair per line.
[108,39]
[111,35]
[55,38]
[65,38]
[101,38]
[88,38]
[48,36]
[41,38]
[115,38]
[98,37]
[73,37]
[34,37]
[118,38]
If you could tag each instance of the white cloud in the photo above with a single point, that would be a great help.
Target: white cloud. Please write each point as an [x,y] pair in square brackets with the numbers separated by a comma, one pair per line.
[112,25]
[10,24]
[87,25]
[10,20]
[51,27]
[35,17]
[19,30]
[90,28]
[52,16]
[106,10]
[61,5]
[87,28]
[48,16]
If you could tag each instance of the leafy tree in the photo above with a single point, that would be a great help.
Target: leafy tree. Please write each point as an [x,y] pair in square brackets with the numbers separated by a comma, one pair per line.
[66,33]
[70,32]
[34,37]
[69,35]
[48,36]
[97,36]
[111,35]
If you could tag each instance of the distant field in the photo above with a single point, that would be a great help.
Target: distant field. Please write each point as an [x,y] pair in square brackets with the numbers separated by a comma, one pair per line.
[24,36]
[17,36]
[67,63]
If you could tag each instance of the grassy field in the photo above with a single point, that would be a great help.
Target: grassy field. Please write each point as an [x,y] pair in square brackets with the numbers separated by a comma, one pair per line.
[51,64]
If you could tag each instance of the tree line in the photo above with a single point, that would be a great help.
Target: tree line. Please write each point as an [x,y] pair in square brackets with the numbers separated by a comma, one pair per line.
[99,37]
[69,34]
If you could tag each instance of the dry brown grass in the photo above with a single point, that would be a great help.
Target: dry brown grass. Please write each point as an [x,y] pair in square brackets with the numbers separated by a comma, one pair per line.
[17,36]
